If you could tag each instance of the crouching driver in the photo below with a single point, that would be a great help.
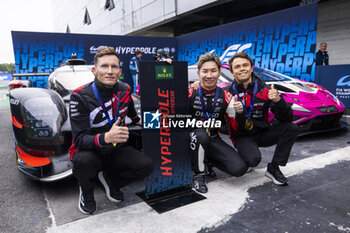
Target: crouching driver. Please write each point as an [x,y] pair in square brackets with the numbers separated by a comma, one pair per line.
[210,102]
[97,115]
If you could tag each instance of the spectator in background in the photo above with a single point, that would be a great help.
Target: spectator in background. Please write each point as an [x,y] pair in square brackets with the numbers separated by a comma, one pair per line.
[134,68]
[162,56]
[322,57]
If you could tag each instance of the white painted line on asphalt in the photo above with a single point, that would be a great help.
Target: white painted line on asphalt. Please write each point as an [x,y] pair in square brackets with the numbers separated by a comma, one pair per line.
[51,216]
[225,197]
[339,227]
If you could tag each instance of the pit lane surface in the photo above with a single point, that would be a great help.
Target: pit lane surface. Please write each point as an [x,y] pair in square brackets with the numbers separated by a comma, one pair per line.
[29,206]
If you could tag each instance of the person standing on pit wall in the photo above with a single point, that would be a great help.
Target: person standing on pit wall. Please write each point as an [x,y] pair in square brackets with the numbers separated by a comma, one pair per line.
[134,68]
[322,58]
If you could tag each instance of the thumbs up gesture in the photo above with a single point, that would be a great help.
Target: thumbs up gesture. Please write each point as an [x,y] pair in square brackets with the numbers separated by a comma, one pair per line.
[195,85]
[274,95]
[237,105]
[117,134]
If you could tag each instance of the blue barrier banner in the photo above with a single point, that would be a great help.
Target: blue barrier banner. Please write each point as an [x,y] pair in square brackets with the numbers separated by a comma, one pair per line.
[43,52]
[5,77]
[283,41]
[336,79]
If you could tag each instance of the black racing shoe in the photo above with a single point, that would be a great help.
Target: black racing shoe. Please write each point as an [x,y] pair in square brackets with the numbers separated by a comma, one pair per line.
[113,194]
[87,204]
[275,174]
[250,169]
[211,173]
[199,183]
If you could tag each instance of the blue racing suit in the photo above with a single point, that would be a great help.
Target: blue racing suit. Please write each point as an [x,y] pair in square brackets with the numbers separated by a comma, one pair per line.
[134,70]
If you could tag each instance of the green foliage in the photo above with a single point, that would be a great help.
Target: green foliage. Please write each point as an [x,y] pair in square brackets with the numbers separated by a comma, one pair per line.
[7,67]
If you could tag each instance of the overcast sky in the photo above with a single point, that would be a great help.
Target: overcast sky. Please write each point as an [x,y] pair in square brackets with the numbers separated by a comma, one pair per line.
[22,15]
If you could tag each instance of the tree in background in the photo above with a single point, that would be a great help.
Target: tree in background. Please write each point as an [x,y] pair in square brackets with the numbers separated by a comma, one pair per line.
[7,68]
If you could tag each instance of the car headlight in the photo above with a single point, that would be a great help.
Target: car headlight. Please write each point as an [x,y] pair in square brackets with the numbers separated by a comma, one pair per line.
[292,98]
[297,107]
[328,109]
[330,95]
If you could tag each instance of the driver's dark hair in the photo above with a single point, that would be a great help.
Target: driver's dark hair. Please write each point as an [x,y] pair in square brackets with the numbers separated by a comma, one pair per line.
[105,51]
[208,57]
[240,55]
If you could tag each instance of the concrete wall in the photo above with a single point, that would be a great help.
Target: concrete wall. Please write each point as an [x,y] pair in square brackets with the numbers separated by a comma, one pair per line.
[127,16]
[333,27]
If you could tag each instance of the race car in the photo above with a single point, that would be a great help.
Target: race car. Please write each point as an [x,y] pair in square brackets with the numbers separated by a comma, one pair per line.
[41,125]
[315,109]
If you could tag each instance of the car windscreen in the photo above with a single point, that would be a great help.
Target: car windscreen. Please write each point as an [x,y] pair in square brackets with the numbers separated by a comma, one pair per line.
[227,75]
[270,76]
[71,80]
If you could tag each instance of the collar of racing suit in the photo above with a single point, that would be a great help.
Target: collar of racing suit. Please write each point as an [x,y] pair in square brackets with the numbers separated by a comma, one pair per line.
[105,92]
[208,92]
[250,88]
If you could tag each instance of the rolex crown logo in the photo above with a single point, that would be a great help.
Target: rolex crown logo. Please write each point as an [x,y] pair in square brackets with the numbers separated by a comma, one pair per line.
[164,72]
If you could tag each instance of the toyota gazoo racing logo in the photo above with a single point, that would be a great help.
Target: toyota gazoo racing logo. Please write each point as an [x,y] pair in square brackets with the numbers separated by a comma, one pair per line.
[344,81]
[232,50]
[94,49]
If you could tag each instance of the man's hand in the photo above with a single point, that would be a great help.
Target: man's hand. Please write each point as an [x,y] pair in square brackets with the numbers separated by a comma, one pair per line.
[168,60]
[195,85]
[237,105]
[117,134]
[139,123]
[274,95]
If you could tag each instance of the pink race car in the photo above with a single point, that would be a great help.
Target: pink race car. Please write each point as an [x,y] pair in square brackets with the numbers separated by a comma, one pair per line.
[314,108]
